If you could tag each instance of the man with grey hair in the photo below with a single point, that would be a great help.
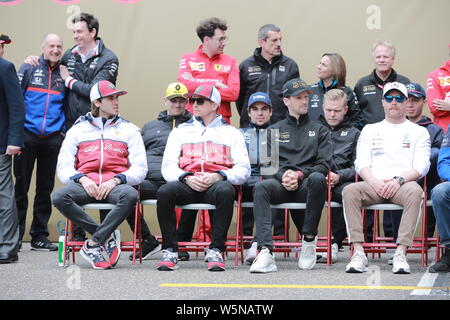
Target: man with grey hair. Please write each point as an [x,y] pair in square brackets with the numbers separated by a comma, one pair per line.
[43,92]
[369,89]
[266,71]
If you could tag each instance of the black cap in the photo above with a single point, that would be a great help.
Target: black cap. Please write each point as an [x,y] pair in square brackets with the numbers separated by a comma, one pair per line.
[294,87]
[4,38]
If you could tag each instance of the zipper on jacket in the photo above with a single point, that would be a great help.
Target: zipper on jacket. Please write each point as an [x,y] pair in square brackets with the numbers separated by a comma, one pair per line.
[205,157]
[101,158]
[274,76]
[48,99]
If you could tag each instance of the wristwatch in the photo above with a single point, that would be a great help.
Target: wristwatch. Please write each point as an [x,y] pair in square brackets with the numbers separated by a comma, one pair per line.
[400,180]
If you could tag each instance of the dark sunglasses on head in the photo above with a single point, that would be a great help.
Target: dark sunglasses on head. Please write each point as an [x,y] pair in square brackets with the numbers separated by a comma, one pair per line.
[199,101]
[399,99]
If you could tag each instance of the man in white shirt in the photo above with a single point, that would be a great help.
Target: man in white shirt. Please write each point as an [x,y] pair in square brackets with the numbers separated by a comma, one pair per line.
[391,156]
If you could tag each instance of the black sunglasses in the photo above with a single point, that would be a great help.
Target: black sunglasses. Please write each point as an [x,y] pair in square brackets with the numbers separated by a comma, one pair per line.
[199,101]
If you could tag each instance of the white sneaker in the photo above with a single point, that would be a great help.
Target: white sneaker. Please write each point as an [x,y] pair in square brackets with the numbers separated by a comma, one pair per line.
[264,262]
[358,263]
[400,264]
[251,253]
[308,258]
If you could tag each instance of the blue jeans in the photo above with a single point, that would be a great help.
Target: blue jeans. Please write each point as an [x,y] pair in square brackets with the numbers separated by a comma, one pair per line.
[440,197]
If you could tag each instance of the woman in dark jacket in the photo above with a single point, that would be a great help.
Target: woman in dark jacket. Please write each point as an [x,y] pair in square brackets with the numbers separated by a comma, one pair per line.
[332,72]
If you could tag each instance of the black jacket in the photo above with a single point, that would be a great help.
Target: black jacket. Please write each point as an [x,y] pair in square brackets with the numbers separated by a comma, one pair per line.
[344,139]
[315,107]
[257,74]
[103,66]
[155,134]
[303,145]
[436,132]
[369,91]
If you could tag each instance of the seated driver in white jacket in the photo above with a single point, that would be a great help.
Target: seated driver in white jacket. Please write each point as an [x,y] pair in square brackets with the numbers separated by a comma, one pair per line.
[203,159]
[101,159]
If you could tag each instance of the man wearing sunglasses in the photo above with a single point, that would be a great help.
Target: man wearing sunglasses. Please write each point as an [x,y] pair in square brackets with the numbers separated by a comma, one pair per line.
[203,159]
[155,134]
[209,65]
[390,156]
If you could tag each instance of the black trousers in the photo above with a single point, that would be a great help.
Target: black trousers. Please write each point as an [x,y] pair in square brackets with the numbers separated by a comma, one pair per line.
[220,194]
[43,152]
[186,225]
[312,190]
[248,219]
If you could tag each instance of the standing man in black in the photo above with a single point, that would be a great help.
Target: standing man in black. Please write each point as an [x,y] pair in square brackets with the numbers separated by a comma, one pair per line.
[12,116]
[369,89]
[266,71]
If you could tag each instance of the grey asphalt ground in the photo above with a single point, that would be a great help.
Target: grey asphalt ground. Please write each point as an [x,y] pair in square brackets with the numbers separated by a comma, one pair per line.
[37,276]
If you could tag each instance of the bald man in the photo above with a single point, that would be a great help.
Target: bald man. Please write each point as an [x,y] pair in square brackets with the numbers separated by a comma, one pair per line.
[43,92]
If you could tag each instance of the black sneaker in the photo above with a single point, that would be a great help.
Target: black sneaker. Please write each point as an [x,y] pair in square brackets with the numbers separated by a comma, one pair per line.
[150,246]
[440,266]
[43,245]
[79,237]
[183,256]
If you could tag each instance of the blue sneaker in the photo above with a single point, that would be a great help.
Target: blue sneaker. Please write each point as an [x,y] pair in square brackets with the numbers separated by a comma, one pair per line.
[94,256]
[169,261]
[215,260]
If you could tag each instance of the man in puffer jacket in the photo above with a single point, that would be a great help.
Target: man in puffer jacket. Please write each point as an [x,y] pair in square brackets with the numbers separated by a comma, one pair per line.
[155,134]
[203,159]
[344,138]
[101,159]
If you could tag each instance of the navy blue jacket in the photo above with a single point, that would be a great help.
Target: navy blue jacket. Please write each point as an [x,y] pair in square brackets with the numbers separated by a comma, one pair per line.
[12,108]
[436,132]
[43,92]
